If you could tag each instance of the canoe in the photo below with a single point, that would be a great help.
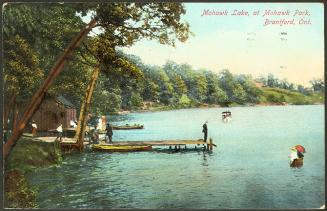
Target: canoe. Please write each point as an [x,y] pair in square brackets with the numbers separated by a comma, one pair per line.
[127,127]
[120,148]
[297,162]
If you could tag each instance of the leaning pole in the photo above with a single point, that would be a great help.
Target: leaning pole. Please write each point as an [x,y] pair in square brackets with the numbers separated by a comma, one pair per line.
[40,93]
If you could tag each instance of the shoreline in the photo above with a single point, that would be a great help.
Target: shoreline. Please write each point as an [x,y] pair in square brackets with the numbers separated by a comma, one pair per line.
[168,108]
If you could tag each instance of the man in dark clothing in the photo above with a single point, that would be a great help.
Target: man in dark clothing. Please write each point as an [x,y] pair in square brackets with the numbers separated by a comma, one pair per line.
[109,132]
[205,131]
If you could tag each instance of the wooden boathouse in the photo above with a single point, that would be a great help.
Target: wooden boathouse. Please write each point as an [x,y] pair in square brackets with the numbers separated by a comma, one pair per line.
[54,111]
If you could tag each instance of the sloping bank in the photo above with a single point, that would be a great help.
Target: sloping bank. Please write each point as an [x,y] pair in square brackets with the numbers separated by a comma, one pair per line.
[28,155]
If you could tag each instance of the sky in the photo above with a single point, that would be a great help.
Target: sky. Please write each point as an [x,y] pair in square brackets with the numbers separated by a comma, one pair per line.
[243,45]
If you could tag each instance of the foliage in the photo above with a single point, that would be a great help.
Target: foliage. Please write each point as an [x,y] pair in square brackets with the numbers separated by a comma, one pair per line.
[318,85]
[22,74]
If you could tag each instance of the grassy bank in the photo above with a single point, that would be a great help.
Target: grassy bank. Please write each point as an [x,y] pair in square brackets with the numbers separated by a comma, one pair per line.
[268,96]
[276,95]
[25,157]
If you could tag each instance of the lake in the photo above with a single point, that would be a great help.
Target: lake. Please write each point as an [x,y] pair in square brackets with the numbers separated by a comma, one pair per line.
[248,169]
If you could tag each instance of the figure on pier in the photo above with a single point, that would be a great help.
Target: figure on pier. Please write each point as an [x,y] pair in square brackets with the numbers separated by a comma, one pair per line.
[205,131]
[34,128]
[95,135]
[109,132]
[59,130]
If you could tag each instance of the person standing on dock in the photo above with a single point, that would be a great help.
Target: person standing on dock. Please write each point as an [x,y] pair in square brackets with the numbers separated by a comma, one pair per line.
[34,128]
[205,131]
[59,130]
[109,132]
[95,135]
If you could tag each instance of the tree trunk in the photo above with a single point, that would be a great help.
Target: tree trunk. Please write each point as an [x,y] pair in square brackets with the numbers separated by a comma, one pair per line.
[40,93]
[15,117]
[8,108]
[81,125]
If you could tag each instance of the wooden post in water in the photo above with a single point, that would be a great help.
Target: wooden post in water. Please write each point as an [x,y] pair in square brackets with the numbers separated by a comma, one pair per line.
[210,144]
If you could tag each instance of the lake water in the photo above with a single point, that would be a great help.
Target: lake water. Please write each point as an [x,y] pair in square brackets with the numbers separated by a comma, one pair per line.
[248,169]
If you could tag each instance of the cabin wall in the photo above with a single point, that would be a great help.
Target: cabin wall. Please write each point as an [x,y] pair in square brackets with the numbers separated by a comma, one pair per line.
[51,114]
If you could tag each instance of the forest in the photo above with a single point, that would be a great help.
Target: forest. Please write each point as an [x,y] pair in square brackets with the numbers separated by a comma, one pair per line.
[180,86]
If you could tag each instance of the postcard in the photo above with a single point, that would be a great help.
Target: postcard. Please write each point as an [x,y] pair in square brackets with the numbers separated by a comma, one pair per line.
[163,105]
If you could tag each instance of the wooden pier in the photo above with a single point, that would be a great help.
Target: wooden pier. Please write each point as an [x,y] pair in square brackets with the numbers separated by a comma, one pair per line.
[172,144]
[70,144]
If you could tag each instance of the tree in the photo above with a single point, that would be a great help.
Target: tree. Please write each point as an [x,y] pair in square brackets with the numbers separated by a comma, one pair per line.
[272,81]
[252,92]
[184,101]
[22,74]
[318,85]
[303,90]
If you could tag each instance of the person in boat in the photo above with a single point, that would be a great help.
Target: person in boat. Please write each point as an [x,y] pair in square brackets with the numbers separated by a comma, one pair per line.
[95,135]
[109,132]
[34,128]
[293,154]
[300,154]
[59,132]
[205,131]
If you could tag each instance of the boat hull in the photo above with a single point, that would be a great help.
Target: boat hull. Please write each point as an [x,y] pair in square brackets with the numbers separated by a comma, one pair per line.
[297,162]
[127,127]
[117,148]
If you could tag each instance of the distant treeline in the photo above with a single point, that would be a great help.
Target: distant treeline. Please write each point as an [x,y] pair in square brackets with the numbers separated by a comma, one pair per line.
[180,86]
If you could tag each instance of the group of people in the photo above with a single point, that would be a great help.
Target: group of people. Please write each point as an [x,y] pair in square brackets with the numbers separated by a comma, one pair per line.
[94,134]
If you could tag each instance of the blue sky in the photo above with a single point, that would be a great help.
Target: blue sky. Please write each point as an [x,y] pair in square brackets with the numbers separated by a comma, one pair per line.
[221,42]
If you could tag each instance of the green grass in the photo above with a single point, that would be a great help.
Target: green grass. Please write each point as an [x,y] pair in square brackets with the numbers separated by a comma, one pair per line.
[26,156]
[276,95]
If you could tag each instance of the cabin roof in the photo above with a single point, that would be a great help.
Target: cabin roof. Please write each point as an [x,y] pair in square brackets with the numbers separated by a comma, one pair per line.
[61,99]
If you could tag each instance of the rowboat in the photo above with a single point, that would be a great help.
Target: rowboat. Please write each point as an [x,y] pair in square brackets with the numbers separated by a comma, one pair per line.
[127,127]
[297,162]
[120,148]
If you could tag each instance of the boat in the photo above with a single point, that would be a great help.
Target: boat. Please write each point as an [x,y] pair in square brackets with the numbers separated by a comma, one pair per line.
[120,148]
[297,162]
[127,127]
[226,115]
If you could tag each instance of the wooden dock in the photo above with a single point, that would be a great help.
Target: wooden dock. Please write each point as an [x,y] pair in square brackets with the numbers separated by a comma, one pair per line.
[177,144]
[70,144]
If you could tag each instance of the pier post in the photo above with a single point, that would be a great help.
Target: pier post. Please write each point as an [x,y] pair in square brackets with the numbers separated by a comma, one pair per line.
[169,147]
[210,144]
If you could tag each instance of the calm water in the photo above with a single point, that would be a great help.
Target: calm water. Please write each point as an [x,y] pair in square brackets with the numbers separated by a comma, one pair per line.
[249,169]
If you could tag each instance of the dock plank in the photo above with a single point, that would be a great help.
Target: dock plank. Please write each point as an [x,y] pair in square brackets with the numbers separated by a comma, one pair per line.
[157,143]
